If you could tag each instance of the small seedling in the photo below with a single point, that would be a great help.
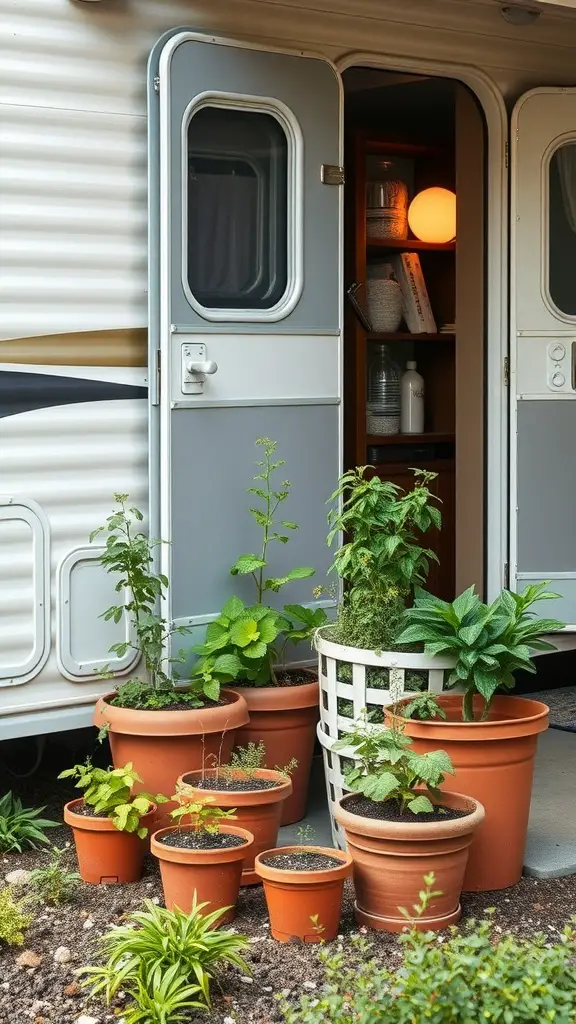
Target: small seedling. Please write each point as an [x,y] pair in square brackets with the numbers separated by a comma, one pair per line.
[317,927]
[423,707]
[201,816]
[21,827]
[54,884]
[250,759]
[305,834]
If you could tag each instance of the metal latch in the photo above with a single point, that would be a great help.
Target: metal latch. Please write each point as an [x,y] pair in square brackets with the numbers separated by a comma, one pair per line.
[331,174]
[194,367]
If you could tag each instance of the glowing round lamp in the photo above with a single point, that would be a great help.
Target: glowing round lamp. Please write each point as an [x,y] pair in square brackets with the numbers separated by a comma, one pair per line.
[432,215]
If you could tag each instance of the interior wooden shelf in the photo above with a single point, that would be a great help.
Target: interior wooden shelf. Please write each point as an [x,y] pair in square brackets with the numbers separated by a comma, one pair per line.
[407,336]
[377,245]
[430,438]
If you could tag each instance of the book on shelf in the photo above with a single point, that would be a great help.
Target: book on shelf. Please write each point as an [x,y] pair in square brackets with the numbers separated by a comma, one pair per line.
[415,302]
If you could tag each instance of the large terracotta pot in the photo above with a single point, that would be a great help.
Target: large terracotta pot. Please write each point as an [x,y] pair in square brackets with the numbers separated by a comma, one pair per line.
[106,855]
[294,898]
[390,859]
[162,745]
[284,718]
[214,875]
[494,763]
[257,810]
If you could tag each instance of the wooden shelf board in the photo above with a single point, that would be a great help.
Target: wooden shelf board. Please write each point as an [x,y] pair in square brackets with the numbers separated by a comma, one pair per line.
[378,245]
[430,438]
[408,149]
[407,336]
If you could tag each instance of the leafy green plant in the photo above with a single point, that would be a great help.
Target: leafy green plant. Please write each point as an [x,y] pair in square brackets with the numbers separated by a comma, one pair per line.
[246,642]
[14,917]
[476,974]
[54,884]
[489,642]
[250,759]
[202,816]
[130,554]
[109,791]
[154,943]
[382,561]
[21,827]
[423,707]
[387,769]
[161,997]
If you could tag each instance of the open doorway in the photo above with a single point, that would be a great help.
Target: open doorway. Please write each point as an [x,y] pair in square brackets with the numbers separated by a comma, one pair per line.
[404,134]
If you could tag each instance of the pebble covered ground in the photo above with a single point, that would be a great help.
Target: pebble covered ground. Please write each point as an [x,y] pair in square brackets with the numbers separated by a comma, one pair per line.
[38,981]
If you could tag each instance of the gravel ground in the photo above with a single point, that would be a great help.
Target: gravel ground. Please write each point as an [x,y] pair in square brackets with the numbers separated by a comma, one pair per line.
[46,992]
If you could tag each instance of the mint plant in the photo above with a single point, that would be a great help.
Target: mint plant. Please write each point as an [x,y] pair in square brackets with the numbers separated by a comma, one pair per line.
[246,642]
[489,642]
[109,791]
[382,560]
[388,770]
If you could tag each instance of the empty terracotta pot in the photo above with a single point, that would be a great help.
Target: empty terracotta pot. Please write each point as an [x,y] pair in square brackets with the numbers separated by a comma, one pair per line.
[390,860]
[163,744]
[214,875]
[295,898]
[106,855]
[285,719]
[494,763]
[258,810]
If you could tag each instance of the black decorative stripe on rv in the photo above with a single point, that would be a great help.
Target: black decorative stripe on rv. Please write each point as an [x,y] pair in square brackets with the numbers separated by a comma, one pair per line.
[23,392]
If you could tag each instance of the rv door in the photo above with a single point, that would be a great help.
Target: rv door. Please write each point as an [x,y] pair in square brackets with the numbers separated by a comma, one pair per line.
[245,311]
[543,345]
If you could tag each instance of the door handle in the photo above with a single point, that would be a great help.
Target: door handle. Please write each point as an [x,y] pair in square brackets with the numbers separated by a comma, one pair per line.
[201,367]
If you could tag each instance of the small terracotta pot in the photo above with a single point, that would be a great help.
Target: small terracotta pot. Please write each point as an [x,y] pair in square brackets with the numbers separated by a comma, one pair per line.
[106,855]
[391,858]
[162,745]
[293,898]
[213,874]
[494,763]
[257,810]
[285,719]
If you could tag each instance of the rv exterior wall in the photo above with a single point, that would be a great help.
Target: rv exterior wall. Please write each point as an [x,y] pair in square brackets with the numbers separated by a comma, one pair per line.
[74,237]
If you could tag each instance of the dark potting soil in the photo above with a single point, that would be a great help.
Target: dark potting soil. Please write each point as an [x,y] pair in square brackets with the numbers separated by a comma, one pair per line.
[234,785]
[201,840]
[306,860]
[388,810]
[175,705]
[88,812]
[288,677]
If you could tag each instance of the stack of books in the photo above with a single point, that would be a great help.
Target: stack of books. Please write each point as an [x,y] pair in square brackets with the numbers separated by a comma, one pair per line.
[416,307]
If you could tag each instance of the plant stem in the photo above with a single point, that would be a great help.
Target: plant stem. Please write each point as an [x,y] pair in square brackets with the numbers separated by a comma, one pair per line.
[468,706]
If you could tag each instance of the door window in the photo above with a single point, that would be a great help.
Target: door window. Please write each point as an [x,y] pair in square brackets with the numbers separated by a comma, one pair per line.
[237,247]
[562,229]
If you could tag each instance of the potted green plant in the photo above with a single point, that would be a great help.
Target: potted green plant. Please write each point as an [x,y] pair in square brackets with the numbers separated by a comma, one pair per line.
[256,793]
[203,856]
[380,563]
[303,887]
[246,645]
[109,822]
[490,736]
[161,725]
[398,824]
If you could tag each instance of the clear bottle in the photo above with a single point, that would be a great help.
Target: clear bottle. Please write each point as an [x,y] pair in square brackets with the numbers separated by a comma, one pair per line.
[383,398]
[412,398]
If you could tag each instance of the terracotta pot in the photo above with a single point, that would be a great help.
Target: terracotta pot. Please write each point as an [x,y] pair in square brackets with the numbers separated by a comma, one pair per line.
[293,898]
[494,763]
[106,855]
[390,860]
[257,810]
[284,718]
[213,874]
[163,744]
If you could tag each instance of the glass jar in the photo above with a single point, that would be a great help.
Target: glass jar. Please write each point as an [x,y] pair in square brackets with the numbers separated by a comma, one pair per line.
[386,204]
[383,395]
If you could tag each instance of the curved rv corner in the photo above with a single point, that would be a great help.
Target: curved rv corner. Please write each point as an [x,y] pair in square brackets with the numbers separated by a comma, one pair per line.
[73,237]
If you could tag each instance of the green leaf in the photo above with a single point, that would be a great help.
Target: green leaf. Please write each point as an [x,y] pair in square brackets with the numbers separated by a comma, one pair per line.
[227,665]
[233,608]
[255,650]
[244,632]
[421,805]
[246,564]
[211,688]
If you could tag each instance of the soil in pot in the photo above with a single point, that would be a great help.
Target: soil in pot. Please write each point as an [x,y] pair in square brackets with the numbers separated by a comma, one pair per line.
[163,744]
[209,865]
[391,857]
[494,763]
[284,718]
[105,854]
[389,810]
[303,890]
[257,803]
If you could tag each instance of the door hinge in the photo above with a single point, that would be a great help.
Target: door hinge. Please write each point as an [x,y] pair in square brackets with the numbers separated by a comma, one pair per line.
[506,576]
[331,174]
[506,371]
[156,83]
[506,154]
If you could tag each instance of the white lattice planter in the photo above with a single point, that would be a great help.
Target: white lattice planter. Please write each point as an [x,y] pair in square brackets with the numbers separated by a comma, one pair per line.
[349,684]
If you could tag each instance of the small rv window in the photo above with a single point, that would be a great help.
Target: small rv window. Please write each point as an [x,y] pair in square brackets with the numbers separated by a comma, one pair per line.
[562,229]
[237,198]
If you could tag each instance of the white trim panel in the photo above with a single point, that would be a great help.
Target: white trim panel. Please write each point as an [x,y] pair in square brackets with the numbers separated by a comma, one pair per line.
[29,603]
